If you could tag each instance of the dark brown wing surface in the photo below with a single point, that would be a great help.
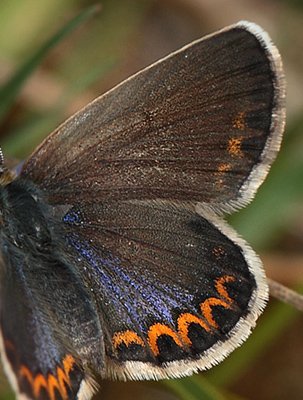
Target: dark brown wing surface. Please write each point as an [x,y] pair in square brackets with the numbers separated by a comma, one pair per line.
[194,126]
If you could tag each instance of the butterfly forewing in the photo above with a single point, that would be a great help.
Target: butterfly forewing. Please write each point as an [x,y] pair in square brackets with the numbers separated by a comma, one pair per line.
[193,127]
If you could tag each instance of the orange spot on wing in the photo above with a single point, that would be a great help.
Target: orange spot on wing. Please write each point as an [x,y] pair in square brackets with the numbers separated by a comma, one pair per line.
[239,121]
[219,252]
[224,168]
[37,382]
[206,309]
[221,171]
[221,289]
[127,337]
[155,331]
[63,380]
[40,382]
[24,371]
[184,321]
[68,364]
[51,383]
[234,147]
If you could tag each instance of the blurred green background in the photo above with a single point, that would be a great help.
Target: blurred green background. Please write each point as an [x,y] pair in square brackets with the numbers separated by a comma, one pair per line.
[104,49]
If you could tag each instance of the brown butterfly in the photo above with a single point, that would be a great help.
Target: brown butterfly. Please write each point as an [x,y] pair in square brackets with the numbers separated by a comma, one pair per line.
[115,258]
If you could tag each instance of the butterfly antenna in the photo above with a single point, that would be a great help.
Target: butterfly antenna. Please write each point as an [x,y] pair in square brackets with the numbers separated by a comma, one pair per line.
[6,175]
[2,167]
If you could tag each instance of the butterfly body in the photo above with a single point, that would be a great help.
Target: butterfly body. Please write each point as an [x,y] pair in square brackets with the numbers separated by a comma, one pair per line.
[115,259]
[41,288]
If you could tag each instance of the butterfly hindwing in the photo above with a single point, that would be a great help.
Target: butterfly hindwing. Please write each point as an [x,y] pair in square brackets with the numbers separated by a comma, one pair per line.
[167,283]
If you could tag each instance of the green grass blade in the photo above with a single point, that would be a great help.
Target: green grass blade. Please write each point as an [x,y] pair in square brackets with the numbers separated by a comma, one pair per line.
[10,90]
[195,387]
[21,142]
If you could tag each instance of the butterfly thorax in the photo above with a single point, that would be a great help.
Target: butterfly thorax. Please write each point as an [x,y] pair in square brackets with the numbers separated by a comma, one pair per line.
[22,210]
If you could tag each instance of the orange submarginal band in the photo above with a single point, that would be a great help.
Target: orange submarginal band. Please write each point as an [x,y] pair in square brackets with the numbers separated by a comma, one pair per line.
[206,309]
[155,331]
[51,383]
[184,321]
[221,288]
[127,337]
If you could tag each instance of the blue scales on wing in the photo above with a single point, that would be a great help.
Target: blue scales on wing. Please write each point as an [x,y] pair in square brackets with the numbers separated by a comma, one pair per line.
[147,266]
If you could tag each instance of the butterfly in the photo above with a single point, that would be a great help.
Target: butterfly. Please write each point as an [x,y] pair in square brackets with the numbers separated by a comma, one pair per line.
[115,258]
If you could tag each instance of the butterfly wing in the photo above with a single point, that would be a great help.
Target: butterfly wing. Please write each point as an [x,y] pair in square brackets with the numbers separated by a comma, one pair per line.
[175,293]
[39,360]
[203,124]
